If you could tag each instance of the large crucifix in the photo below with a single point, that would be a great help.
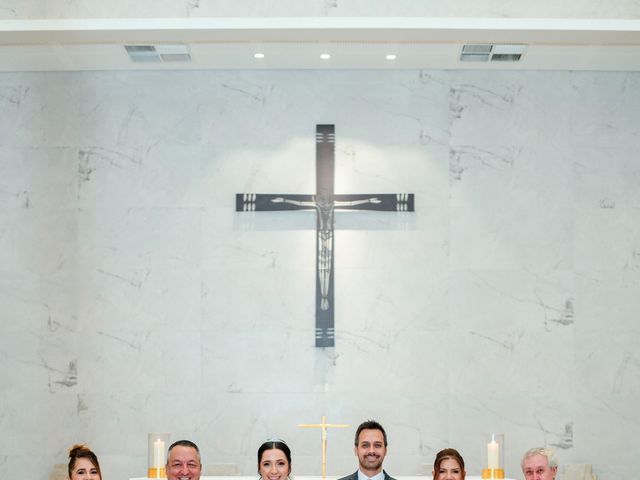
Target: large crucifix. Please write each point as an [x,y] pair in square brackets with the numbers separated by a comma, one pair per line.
[324,426]
[324,202]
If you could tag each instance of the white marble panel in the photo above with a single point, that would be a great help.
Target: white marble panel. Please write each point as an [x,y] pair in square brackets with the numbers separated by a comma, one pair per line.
[268,358]
[402,362]
[39,110]
[40,304]
[602,117]
[606,177]
[151,237]
[161,360]
[39,362]
[133,298]
[387,248]
[512,361]
[258,110]
[613,416]
[495,178]
[121,465]
[13,9]
[38,177]
[607,240]
[608,301]
[376,307]
[268,240]
[272,114]
[29,432]
[526,419]
[38,378]
[140,299]
[369,168]
[267,8]
[139,269]
[40,241]
[140,112]
[363,168]
[603,416]
[21,407]
[608,362]
[506,238]
[413,112]
[483,113]
[130,416]
[504,110]
[170,176]
[512,300]
[288,168]
[262,299]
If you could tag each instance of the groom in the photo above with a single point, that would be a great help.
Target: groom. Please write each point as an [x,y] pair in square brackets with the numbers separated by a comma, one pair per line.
[370,448]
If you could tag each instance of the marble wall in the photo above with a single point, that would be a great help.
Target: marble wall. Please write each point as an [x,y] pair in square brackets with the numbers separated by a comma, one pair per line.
[12,9]
[134,299]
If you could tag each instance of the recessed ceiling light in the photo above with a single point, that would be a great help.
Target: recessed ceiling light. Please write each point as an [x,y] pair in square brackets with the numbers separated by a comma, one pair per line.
[391,56]
[325,56]
[258,55]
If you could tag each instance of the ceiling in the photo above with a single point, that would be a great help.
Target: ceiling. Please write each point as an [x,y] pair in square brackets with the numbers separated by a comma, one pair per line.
[297,43]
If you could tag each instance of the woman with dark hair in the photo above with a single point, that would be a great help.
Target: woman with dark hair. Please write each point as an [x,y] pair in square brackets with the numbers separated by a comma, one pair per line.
[274,460]
[83,464]
[448,465]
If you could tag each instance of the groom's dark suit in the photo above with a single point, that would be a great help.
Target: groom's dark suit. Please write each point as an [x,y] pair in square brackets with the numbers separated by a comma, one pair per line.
[354,476]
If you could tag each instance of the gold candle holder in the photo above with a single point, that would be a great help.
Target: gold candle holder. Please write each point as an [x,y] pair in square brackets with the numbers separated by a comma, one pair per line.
[493,457]
[155,472]
[157,448]
[497,473]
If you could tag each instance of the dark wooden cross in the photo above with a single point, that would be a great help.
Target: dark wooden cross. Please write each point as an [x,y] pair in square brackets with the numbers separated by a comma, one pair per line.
[324,202]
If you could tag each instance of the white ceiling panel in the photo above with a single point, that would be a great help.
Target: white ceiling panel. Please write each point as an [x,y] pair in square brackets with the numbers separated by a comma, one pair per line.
[290,43]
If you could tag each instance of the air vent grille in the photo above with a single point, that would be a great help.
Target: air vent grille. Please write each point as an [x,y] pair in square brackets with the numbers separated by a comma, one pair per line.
[493,53]
[505,57]
[477,48]
[175,57]
[158,53]
[140,48]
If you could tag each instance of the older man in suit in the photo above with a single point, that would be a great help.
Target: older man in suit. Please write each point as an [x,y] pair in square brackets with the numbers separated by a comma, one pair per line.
[183,461]
[370,448]
[539,464]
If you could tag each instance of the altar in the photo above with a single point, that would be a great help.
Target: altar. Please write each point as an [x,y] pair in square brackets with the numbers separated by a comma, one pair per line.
[317,477]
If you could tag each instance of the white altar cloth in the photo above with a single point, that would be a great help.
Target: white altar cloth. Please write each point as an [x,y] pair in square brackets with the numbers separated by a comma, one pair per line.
[318,477]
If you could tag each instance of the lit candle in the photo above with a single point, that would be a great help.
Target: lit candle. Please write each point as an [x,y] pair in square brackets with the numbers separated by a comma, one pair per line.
[158,453]
[493,455]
